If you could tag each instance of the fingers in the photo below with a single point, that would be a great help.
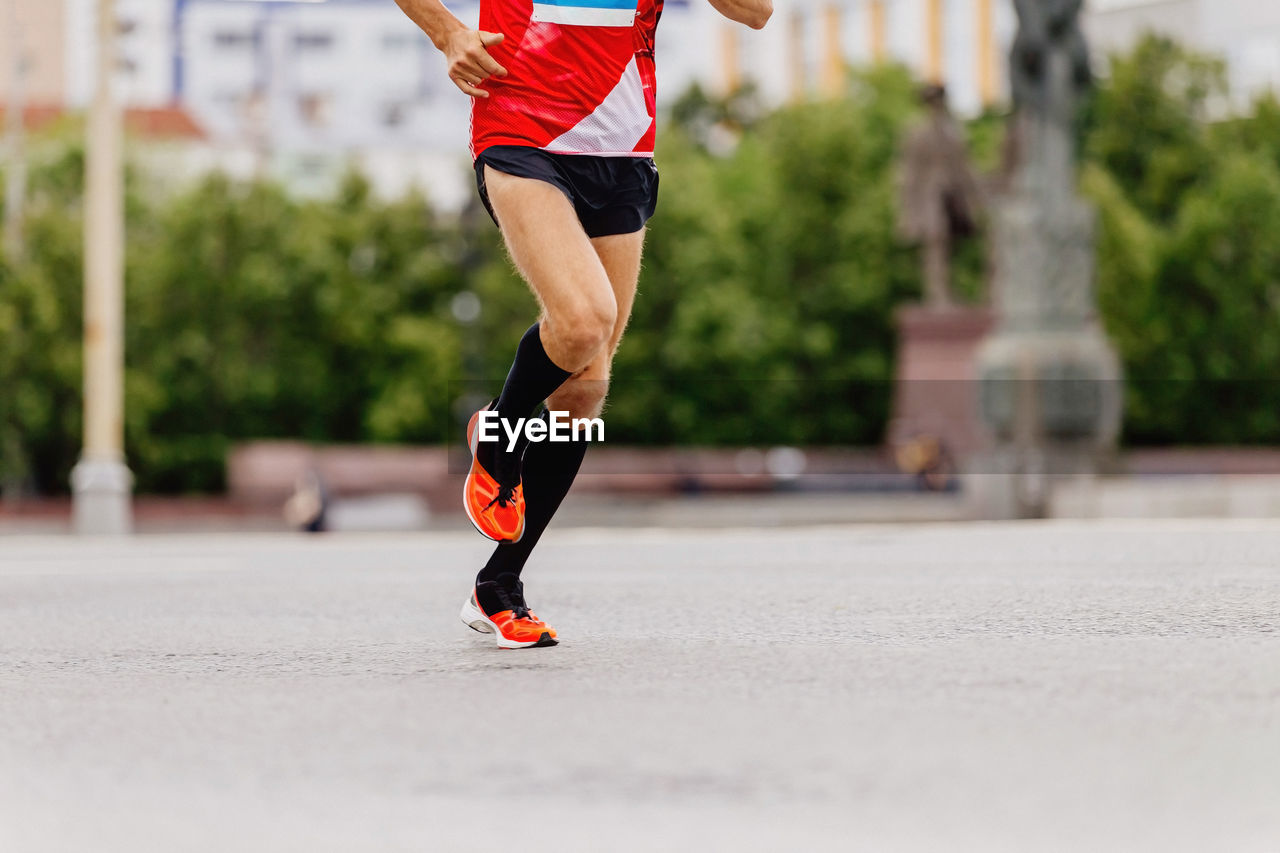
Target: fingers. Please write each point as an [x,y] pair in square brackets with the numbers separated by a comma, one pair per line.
[476,55]
[468,78]
[471,65]
[490,65]
[468,87]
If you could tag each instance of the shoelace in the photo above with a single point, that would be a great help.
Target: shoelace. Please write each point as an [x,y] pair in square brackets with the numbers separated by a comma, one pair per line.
[507,491]
[506,495]
[513,601]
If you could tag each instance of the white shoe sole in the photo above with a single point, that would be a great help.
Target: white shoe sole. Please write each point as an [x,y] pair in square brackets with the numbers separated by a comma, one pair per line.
[473,617]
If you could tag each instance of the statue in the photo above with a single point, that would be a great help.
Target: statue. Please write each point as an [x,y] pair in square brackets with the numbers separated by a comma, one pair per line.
[1049,381]
[935,417]
[1048,73]
[939,198]
[1046,27]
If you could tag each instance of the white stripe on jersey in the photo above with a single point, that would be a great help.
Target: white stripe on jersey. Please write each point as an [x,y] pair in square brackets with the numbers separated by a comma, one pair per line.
[616,125]
[583,16]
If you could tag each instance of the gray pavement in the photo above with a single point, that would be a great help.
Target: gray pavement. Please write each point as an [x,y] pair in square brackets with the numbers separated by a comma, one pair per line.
[1023,687]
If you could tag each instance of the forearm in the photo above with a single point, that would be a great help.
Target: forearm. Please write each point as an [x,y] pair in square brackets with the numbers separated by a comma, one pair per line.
[753,13]
[432,18]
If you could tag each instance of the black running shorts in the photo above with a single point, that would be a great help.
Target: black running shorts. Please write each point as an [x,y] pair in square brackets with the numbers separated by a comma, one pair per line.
[611,195]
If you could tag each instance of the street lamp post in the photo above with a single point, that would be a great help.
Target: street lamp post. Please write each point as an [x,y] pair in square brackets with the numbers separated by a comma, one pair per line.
[101,481]
[16,180]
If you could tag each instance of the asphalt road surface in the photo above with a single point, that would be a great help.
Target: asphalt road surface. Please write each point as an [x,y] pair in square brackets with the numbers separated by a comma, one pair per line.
[1018,687]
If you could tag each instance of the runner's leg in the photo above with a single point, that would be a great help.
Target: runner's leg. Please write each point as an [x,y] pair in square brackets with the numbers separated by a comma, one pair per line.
[553,253]
[550,467]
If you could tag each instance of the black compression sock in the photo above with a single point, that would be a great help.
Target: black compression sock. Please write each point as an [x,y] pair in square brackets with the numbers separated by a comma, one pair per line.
[532,378]
[549,470]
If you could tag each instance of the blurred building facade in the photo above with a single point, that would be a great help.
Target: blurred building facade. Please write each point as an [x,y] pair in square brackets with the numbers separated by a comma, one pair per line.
[1245,33]
[302,89]
[809,43]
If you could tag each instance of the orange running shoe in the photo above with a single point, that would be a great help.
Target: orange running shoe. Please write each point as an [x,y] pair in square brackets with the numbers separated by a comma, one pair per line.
[511,622]
[514,587]
[496,511]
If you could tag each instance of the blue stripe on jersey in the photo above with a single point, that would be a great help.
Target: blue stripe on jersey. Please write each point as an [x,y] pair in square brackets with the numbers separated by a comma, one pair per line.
[591,4]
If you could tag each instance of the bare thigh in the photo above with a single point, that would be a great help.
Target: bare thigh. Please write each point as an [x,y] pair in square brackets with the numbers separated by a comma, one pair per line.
[562,266]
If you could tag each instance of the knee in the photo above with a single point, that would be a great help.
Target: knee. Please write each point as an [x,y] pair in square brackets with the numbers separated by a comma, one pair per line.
[584,330]
[581,397]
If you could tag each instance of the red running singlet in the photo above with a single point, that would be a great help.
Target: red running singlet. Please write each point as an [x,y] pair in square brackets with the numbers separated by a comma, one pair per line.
[580,77]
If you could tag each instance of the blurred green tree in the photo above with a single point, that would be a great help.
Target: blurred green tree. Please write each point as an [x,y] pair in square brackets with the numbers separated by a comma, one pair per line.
[771,273]
[40,318]
[1148,123]
[1187,271]
[765,312]
[256,315]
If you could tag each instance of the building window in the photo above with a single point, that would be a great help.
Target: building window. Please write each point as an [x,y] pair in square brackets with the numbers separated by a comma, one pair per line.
[235,39]
[393,114]
[312,41]
[315,109]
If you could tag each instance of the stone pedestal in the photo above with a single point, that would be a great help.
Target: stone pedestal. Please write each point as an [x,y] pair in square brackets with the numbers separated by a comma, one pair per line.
[1049,382]
[934,389]
[103,497]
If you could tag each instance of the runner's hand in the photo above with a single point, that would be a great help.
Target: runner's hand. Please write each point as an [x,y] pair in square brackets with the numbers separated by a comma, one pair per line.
[469,63]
